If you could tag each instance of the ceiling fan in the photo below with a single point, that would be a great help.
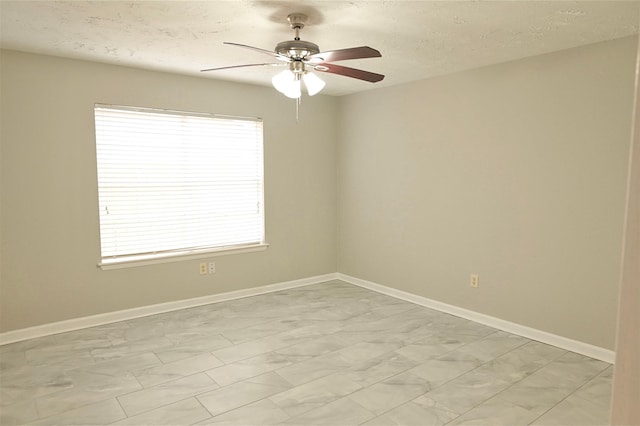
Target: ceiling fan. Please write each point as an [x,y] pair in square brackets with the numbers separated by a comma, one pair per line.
[303,56]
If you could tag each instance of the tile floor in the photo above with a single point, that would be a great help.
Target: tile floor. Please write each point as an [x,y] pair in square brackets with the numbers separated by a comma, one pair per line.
[330,353]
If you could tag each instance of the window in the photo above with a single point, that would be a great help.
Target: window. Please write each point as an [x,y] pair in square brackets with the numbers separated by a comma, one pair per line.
[177,183]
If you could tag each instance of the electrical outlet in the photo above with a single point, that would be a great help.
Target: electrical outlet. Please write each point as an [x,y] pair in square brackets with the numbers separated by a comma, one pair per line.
[474,281]
[212,267]
[203,268]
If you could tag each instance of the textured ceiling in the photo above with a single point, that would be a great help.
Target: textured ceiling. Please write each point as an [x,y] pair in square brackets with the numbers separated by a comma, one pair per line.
[417,39]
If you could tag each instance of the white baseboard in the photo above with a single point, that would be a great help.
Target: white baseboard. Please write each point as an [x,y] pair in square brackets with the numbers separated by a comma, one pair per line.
[127,314]
[143,311]
[521,330]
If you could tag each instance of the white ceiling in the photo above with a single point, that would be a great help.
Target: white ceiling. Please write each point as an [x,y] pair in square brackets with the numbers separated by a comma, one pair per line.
[417,39]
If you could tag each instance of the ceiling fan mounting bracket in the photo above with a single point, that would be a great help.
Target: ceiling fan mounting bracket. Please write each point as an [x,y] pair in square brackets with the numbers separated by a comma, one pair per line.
[297,20]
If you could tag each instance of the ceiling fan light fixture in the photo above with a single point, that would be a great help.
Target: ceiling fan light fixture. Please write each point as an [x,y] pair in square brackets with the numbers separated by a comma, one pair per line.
[293,91]
[313,83]
[287,83]
[283,80]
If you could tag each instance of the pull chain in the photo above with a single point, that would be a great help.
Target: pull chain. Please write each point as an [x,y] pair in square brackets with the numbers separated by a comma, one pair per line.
[298,108]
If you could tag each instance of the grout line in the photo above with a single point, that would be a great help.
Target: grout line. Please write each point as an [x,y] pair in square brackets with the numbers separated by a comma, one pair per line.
[211,416]
[122,408]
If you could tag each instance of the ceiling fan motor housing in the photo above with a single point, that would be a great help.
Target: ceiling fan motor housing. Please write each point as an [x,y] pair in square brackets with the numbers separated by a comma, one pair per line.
[297,49]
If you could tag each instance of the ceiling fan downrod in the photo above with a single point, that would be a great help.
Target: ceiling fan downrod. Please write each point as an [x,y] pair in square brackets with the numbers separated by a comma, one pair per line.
[297,21]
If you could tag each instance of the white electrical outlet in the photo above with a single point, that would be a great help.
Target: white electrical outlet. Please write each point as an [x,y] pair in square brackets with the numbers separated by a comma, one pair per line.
[212,267]
[203,268]
[474,281]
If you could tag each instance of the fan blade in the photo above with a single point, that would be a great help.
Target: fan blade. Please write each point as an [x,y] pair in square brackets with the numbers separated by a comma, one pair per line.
[344,54]
[257,49]
[349,72]
[241,66]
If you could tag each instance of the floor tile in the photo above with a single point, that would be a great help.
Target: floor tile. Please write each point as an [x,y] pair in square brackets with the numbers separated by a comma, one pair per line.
[574,369]
[439,371]
[130,347]
[314,368]
[99,413]
[61,359]
[260,346]
[19,413]
[371,371]
[31,382]
[185,412]
[467,391]
[415,414]
[264,329]
[12,360]
[429,348]
[596,390]
[554,382]
[237,395]
[271,379]
[314,347]
[192,347]
[366,350]
[608,372]
[496,412]
[536,393]
[122,365]
[493,346]
[575,411]
[315,394]
[247,368]
[174,370]
[68,399]
[391,393]
[522,361]
[263,412]
[166,393]
[341,412]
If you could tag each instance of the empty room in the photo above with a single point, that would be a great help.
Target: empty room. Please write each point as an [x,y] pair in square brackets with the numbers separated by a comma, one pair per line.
[319,212]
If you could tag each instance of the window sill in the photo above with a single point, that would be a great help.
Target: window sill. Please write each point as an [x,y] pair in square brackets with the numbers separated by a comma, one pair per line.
[142,260]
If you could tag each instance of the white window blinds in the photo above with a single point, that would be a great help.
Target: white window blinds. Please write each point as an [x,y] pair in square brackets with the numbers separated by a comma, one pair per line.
[175,182]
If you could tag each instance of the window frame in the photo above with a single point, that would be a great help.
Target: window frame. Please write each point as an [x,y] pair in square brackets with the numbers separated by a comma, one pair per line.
[179,254]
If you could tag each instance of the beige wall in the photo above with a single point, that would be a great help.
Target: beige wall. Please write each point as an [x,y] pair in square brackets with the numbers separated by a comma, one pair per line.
[515,172]
[50,236]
